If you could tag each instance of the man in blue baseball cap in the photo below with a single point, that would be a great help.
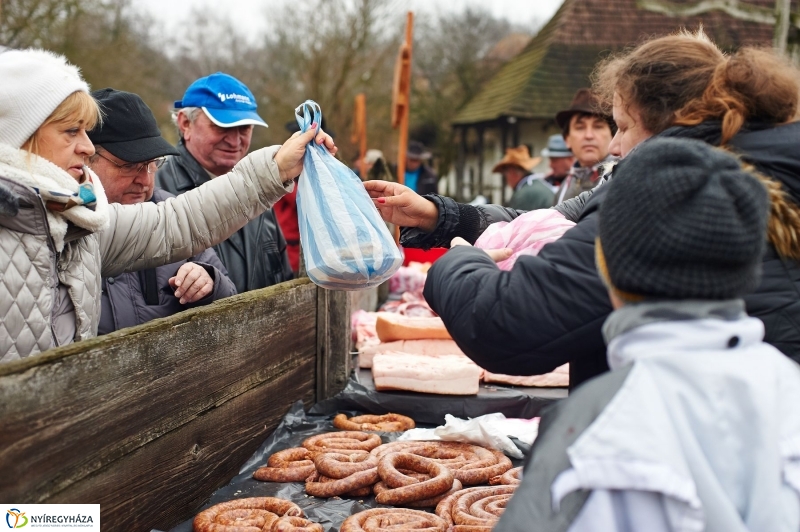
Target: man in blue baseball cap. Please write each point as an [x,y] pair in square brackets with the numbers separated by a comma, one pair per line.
[215,120]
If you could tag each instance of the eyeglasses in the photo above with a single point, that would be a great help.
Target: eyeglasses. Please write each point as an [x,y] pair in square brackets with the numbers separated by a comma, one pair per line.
[133,169]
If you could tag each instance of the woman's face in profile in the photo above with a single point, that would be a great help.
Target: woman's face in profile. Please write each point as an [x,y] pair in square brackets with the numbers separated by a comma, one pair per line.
[630,131]
[66,145]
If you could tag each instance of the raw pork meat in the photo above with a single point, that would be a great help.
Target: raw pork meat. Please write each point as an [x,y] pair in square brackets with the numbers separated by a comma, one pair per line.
[559,377]
[392,327]
[444,374]
[526,235]
[409,278]
[363,326]
[415,347]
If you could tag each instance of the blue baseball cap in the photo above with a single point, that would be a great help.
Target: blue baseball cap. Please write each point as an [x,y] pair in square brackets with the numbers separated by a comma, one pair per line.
[225,100]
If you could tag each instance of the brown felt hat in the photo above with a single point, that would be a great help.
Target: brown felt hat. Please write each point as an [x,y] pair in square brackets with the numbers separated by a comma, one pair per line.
[583,102]
[519,156]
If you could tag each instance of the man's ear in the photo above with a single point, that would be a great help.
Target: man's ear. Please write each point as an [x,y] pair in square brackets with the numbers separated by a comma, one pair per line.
[184,124]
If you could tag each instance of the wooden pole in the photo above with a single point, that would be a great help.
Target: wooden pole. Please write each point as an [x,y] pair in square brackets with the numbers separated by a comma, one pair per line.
[359,136]
[783,13]
[401,99]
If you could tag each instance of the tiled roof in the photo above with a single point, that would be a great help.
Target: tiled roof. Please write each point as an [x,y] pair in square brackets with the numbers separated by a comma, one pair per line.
[542,79]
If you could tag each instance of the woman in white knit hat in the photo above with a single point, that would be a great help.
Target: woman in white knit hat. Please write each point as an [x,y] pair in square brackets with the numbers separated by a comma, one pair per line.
[59,235]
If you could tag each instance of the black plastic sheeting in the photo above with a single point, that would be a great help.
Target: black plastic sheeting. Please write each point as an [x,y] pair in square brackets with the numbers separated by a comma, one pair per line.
[295,427]
[360,395]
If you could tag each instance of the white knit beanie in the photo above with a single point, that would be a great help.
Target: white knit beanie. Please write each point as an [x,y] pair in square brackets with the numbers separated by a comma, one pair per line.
[35,82]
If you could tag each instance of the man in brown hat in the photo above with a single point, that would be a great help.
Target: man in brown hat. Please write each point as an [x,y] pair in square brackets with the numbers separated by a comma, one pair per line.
[588,134]
[529,192]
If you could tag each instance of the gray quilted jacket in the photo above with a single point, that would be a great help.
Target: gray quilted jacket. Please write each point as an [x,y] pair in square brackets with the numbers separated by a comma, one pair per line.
[49,299]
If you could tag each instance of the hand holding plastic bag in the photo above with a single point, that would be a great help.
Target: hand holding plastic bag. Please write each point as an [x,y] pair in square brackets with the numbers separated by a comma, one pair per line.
[346,245]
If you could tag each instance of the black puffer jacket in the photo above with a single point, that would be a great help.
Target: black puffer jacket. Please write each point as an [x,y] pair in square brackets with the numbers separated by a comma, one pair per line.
[548,310]
[255,255]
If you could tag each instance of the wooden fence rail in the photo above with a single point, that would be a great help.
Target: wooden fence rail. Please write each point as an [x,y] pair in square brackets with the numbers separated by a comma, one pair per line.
[150,420]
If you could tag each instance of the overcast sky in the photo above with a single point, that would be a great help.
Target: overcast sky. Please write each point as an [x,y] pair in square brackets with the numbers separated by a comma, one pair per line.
[251,15]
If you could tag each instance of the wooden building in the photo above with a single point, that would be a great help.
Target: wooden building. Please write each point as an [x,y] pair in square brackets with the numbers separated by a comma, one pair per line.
[519,104]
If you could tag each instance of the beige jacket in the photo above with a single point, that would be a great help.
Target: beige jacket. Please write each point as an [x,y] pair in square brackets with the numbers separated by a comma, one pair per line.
[50,297]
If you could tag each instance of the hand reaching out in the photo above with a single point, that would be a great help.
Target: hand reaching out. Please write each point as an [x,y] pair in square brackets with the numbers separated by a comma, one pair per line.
[497,255]
[191,283]
[289,157]
[402,206]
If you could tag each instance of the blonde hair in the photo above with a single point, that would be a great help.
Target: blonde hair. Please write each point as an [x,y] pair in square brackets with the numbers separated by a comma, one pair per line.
[79,106]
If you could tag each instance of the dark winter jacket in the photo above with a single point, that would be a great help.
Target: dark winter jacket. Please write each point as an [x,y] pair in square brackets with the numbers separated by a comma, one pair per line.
[255,256]
[530,194]
[428,182]
[134,298]
[549,308]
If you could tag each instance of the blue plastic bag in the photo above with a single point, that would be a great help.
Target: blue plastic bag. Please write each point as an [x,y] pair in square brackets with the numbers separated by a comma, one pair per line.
[346,244]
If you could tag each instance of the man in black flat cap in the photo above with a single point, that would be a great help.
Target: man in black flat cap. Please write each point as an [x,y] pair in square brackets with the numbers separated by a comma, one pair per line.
[129,149]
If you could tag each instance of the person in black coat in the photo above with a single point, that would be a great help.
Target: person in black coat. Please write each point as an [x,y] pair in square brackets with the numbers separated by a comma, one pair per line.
[419,176]
[548,310]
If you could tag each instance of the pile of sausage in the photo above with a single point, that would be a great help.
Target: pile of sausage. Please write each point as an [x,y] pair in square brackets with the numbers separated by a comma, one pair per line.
[255,514]
[409,473]
[352,463]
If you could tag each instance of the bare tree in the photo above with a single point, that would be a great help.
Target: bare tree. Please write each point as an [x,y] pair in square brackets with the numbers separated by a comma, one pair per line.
[452,62]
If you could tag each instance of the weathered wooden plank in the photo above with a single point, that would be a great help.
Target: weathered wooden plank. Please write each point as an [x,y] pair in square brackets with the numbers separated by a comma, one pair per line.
[80,412]
[179,471]
[364,299]
[333,342]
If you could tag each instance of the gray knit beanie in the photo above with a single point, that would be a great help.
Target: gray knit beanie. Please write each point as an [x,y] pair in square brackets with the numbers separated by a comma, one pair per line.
[683,220]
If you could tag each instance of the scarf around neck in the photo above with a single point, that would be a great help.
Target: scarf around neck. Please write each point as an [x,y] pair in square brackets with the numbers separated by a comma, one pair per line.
[66,200]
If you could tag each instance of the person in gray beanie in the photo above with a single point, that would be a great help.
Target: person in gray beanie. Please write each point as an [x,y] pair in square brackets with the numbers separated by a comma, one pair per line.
[696,426]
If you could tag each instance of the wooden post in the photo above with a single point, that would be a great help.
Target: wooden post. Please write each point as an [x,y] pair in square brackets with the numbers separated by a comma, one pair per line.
[333,342]
[783,13]
[401,100]
[359,136]
[481,187]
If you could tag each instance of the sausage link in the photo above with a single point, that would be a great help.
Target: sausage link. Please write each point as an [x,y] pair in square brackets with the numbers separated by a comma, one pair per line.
[384,423]
[433,501]
[406,489]
[512,477]
[473,474]
[445,507]
[333,488]
[341,465]
[241,514]
[295,524]
[283,474]
[289,465]
[481,507]
[342,441]
[360,492]
[393,519]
